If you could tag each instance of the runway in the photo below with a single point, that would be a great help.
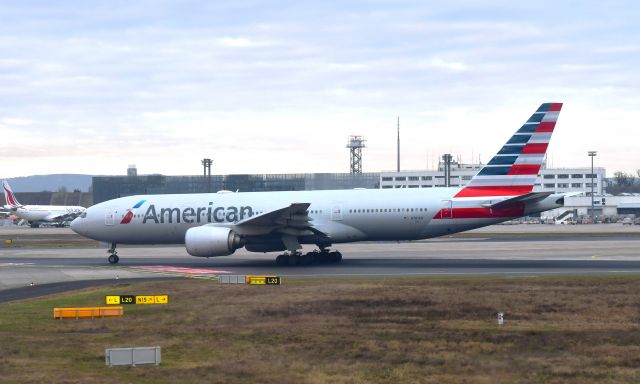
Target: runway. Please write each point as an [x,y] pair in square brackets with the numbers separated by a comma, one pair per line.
[496,251]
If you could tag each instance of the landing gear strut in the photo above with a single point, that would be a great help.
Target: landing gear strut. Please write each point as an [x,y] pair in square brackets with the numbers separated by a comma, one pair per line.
[323,256]
[113,257]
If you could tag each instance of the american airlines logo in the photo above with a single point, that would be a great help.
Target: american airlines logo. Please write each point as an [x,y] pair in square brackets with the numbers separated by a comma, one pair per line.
[190,215]
[130,212]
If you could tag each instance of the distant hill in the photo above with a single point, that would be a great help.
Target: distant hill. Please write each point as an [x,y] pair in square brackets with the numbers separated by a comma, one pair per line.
[53,183]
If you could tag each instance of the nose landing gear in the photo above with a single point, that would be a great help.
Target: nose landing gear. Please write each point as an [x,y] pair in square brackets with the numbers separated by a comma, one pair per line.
[113,254]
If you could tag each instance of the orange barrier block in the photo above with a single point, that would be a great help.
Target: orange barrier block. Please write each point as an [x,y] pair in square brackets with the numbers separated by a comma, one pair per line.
[87,312]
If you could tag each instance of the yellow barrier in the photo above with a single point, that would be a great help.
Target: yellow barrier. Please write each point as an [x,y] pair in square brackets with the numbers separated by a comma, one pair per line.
[87,312]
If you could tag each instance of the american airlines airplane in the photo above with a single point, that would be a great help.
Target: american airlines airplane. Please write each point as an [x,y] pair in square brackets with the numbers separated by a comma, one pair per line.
[217,224]
[35,214]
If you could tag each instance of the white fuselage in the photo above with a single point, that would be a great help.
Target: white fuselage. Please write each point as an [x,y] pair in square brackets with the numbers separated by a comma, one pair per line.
[343,215]
[53,213]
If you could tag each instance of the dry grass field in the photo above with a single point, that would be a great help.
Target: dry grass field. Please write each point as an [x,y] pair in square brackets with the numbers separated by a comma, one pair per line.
[557,330]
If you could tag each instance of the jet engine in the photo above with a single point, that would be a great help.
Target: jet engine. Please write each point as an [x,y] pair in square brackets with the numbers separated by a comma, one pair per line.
[209,241]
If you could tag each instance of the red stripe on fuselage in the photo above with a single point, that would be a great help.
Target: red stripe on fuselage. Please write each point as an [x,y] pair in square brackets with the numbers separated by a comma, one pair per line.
[507,190]
[524,169]
[546,126]
[535,149]
[516,210]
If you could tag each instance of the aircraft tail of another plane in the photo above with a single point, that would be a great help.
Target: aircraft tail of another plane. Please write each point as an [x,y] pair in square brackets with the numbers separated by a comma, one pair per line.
[514,169]
[9,196]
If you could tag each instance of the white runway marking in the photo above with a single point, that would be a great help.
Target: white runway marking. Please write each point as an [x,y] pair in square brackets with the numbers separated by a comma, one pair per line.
[180,270]
[13,264]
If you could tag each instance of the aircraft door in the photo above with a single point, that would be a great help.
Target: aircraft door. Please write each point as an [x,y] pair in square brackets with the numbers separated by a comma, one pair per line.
[447,209]
[109,216]
[336,212]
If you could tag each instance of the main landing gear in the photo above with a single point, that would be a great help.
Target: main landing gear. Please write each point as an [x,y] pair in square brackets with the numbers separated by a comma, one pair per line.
[314,257]
[113,254]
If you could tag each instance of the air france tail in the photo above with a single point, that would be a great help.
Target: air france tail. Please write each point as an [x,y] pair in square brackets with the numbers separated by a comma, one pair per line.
[10,198]
[514,169]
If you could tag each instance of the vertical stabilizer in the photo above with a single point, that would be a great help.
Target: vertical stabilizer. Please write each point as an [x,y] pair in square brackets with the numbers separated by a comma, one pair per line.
[9,196]
[514,169]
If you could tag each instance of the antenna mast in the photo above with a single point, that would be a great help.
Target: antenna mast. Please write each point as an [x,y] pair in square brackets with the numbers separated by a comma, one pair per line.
[398,144]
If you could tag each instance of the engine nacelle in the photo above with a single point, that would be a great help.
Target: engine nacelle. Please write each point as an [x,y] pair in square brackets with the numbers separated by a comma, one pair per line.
[209,241]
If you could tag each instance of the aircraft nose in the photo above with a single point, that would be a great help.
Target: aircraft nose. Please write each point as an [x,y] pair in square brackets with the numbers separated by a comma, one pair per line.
[76,226]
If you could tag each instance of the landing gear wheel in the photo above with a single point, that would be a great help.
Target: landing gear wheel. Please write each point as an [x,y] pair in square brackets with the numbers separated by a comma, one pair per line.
[282,260]
[335,257]
[322,257]
[306,259]
[294,259]
[113,259]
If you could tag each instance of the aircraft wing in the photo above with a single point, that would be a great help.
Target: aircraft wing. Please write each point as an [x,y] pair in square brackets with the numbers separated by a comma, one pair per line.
[63,216]
[292,220]
[294,216]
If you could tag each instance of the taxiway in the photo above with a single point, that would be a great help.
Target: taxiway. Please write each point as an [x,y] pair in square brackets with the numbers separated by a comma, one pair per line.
[47,257]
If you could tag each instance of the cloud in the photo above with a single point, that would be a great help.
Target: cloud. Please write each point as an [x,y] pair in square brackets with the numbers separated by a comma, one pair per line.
[236,42]
[16,121]
[244,81]
[437,62]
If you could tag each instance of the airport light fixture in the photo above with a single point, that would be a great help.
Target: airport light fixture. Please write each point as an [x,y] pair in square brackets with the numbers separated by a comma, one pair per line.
[592,154]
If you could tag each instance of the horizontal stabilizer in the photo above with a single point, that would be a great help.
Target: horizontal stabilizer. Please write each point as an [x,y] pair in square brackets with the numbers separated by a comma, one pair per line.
[530,197]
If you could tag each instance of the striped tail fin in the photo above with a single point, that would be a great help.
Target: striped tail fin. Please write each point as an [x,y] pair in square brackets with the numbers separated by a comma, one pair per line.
[8,195]
[514,169]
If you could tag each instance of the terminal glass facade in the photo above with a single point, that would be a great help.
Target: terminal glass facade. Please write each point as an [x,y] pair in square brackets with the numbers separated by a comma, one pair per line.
[111,187]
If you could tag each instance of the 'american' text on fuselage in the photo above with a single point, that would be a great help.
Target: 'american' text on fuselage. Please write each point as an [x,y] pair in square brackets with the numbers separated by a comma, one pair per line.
[189,215]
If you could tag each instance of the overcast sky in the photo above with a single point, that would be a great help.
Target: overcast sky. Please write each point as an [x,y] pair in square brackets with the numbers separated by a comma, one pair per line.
[278,86]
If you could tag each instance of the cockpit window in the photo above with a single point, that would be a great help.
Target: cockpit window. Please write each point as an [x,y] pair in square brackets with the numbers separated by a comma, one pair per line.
[83,215]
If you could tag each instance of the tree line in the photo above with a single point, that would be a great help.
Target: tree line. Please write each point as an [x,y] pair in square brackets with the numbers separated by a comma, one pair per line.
[623,182]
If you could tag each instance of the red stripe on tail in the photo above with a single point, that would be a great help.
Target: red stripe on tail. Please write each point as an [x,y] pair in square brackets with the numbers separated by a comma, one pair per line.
[535,149]
[555,107]
[524,169]
[546,126]
[508,190]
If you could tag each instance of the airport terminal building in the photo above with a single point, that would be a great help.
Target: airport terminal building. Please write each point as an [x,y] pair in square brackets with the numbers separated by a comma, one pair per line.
[111,187]
[549,179]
